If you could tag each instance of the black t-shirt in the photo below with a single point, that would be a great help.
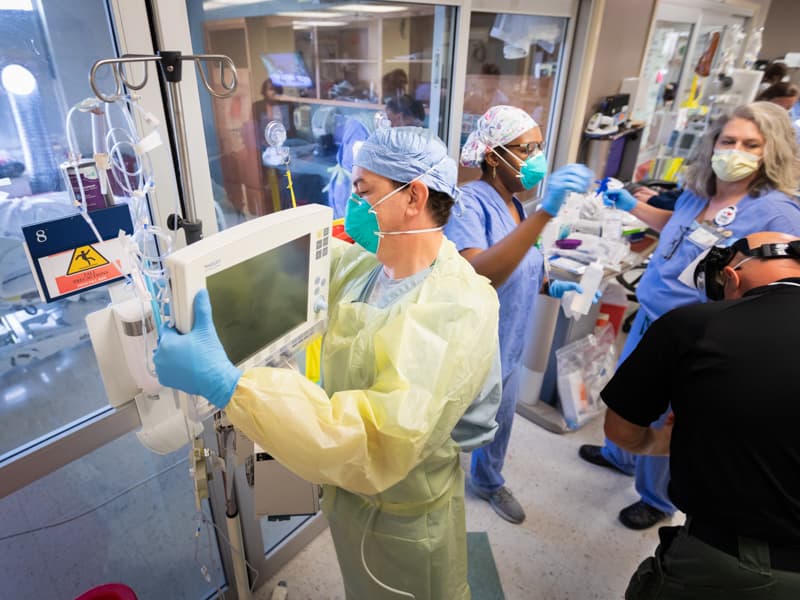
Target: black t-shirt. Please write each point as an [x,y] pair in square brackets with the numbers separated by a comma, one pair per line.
[731,372]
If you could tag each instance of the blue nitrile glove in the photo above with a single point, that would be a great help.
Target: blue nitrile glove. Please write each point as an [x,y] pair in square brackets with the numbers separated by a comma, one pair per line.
[570,178]
[557,288]
[620,198]
[196,362]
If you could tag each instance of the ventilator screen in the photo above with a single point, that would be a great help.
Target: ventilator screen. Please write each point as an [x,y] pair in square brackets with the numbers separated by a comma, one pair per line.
[259,300]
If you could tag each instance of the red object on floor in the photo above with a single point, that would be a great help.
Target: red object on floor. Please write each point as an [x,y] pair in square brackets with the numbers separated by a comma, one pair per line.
[109,591]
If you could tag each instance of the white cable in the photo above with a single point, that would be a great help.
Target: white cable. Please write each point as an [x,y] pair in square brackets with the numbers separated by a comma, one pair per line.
[237,550]
[364,561]
[95,507]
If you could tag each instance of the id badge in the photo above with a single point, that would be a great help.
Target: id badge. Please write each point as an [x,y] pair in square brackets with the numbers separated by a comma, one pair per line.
[704,237]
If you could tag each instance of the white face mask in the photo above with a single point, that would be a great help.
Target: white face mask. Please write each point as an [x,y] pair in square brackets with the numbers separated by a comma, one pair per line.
[734,165]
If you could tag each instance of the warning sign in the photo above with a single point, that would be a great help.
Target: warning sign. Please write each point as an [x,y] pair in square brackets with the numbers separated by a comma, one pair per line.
[84,267]
[66,256]
[85,258]
[85,279]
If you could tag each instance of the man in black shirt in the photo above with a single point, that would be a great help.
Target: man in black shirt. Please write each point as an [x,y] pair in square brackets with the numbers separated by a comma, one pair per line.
[729,370]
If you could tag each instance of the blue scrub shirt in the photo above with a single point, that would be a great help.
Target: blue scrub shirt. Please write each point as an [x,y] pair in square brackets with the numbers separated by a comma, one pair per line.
[482,221]
[659,290]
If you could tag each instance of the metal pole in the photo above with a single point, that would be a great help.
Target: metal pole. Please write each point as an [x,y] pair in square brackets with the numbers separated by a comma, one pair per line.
[172,68]
[176,117]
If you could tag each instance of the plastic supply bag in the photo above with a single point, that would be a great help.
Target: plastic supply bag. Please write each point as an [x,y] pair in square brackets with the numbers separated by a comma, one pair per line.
[584,368]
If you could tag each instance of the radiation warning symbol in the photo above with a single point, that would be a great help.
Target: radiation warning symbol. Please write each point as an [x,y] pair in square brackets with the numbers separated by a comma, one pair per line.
[85,258]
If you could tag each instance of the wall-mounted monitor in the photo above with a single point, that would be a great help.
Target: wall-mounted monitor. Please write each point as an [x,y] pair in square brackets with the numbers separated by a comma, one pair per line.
[287,69]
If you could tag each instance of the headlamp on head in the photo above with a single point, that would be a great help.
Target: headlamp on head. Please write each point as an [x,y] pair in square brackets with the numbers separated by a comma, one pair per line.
[708,274]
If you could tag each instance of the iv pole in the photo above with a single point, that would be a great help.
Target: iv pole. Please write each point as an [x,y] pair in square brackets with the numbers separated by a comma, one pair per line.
[171,63]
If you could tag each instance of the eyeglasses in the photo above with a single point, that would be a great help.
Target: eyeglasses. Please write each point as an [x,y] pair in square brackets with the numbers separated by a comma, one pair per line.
[528,148]
[741,262]
[677,242]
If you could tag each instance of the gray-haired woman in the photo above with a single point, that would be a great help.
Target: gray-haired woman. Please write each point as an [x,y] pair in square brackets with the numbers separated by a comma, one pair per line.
[743,180]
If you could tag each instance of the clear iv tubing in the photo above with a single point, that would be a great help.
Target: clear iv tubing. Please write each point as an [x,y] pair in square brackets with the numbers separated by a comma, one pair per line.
[388,588]
[74,159]
[144,168]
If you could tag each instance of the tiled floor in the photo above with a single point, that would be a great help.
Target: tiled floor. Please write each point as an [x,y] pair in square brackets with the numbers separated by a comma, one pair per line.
[571,547]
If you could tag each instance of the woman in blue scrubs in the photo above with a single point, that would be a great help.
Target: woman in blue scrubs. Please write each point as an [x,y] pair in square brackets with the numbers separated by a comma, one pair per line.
[494,235]
[743,180]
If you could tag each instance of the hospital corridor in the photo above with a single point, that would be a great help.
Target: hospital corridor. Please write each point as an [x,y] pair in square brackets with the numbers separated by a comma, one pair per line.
[385,300]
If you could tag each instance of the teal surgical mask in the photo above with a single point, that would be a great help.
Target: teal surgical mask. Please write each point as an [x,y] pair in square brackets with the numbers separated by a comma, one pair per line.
[361,220]
[531,171]
[361,224]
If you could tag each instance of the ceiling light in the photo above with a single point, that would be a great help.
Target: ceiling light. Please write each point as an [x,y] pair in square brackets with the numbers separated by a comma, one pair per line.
[300,24]
[18,80]
[310,14]
[217,4]
[370,8]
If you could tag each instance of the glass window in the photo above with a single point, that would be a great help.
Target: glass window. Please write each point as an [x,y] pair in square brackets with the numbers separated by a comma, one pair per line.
[661,76]
[515,60]
[675,115]
[119,514]
[704,61]
[324,74]
[48,374]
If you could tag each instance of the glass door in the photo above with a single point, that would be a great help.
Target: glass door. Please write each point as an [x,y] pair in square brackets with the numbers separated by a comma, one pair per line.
[82,502]
[324,74]
[517,58]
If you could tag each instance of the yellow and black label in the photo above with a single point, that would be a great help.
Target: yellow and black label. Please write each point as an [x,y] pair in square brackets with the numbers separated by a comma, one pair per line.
[85,258]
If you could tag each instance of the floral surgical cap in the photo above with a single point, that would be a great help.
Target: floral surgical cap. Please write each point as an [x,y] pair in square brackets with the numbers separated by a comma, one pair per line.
[498,126]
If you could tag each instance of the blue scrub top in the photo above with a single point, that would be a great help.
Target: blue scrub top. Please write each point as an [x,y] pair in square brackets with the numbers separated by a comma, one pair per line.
[659,290]
[340,185]
[482,221]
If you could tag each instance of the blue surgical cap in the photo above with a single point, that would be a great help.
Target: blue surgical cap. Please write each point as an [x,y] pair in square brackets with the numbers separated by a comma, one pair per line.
[407,153]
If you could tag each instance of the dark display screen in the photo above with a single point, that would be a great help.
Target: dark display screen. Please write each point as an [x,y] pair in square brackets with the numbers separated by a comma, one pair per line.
[260,299]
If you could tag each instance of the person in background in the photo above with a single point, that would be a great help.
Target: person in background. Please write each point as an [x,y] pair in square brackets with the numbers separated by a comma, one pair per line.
[775,72]
[494,234]
[357,128]
[410,376]
[269,108]
[487,92]
[405,111]
[743,180]
[785,95]
[729,372]
[394,84]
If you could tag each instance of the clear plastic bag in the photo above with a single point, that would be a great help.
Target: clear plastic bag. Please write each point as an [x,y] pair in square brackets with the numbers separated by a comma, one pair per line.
[584,368]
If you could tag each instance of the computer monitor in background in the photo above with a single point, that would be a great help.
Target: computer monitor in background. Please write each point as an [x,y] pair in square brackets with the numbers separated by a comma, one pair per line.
[287,69]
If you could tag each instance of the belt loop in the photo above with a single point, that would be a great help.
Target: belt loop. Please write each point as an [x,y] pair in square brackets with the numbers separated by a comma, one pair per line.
[754,555]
